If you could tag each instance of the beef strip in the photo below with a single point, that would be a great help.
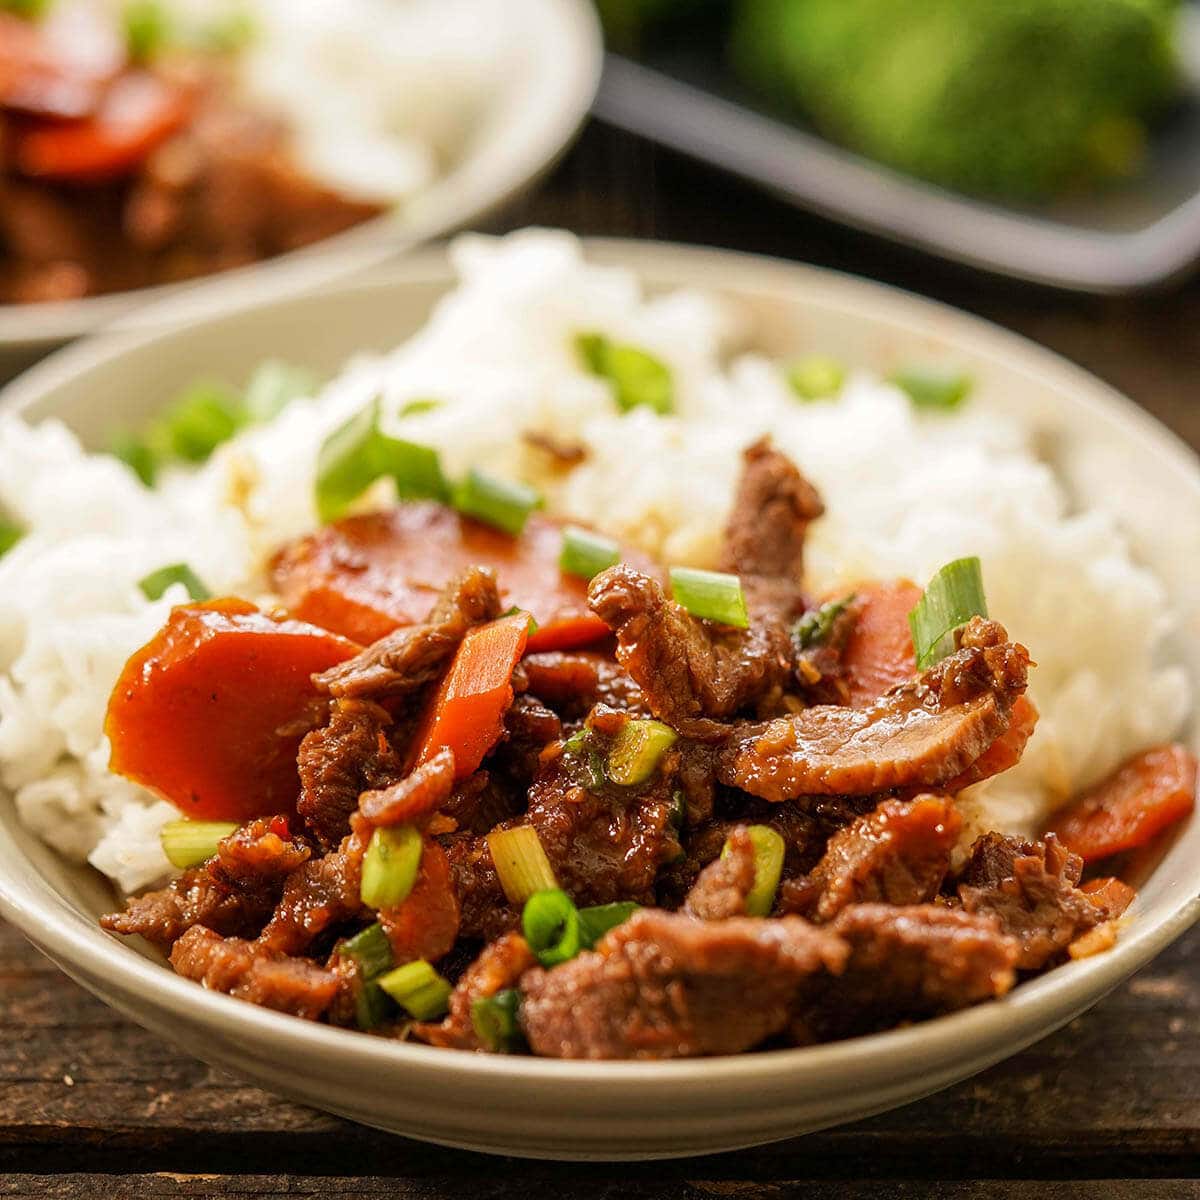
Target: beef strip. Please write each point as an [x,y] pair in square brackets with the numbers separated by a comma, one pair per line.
[481,802]
[348,756]
[721,889]
[1031,889]
[421,792]
[572,683]
[664,985]
[500,966]
[249,972]
[529,727]
[693,673]
[921,734]
[905,963]
[898,854]
[764,539]
[484,910]
[407,659]
[258,855]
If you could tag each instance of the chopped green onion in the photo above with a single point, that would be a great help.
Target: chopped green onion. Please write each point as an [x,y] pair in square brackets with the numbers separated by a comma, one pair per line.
[390,866]
[372,1005]
[227,34]
[415,407]
[134,452]
[29,9]
[585,553]
[815,627]
[496,1020]
[206,415]
[147,28]
[580,747]
[933,385]
[369,948]
[156,583]
[953,597]
[769,849]
[499,502]
[10,534]
[816,377]
[637,749]
[418,989]
[637,378]
[550,922]
[521,862]
[416,469]
[273,386]
[597,919]
[190,843]
[512,612]
[711,595]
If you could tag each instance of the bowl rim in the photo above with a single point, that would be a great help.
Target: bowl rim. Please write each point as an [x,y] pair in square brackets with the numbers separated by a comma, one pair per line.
[1030,1010]
[570,56]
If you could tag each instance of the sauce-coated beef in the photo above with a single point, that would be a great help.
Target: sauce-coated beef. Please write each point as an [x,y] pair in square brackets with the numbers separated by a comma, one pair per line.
[721,889]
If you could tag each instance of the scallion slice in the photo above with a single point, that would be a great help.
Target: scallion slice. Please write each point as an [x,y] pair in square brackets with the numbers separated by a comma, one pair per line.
[30,10]
[712,595]
[769,849]
[550,922]
[136,454]
[207,414]
[157,582]
[390,866]
[637,378]
[496,1020]
[372,1005]
[369,948]
[585,553]
[273,386]
[953,597]
[418,989]
[10,534]
[932,385]
[147,29]
[597,919]
[521,862]
[500,502]
[190,843]
[816,377]
[636,751]
[815,627]
[413,408]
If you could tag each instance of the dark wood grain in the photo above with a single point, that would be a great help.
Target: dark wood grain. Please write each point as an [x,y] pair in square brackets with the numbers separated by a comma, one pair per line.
[90,1105]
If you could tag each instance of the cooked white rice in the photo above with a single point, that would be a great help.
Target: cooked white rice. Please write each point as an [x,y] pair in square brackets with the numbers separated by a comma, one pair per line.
[904,493]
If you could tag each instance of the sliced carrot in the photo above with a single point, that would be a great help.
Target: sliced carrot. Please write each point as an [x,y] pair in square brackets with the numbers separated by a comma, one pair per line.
[1111,894]
[210,712]
[467,714]
[425,924]
[1139,800]
[1005,751]
[879,651]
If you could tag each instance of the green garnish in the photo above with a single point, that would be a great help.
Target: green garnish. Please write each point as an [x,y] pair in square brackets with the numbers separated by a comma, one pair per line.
[369,948]
[157,582]
[520,862]
[637,750]
[637,378]
[816,377]
[10,534]
[496,1020]
[147,26]
[498,502]
[273,386]
[205,415]
[597,919]
[953,597]
[389,868]
[190,843]
[228,33]
[136,454]
[711,595]
[550,923]
[418,989]
[769,850]
[414,408]
[933,386]
[31,10]
[585,553]
[815,626]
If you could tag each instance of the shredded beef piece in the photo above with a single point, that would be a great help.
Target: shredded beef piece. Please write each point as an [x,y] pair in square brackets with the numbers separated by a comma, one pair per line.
[481,802]
[350,755]
[905,963]
[407,659]
[574,683]
[500,966]
[484,912]
[693,673]
[529,727]
[256,856]
[424,790]
[663,985]
[764,539]
[1031,889]
[820,673]
[898,854]
[249,972]
[721,889]
[919,735]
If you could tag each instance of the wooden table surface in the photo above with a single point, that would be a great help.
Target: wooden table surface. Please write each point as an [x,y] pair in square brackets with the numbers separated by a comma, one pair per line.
[91,1105]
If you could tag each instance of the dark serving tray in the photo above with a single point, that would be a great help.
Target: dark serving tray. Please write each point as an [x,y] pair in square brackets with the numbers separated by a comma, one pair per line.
[1119,239]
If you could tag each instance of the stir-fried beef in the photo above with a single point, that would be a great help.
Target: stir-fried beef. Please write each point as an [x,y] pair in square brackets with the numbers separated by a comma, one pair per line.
[1031,889]
[820,669]
[250,972]
[693,673]
[764,539]
[920,735]
[481,802]
[664,985]
[529,727]
[407,659]
[574,683]
[898,854]
[905,963]
[484,910]
[258,854]
[424,790]
[350,755]
[721,889]
[500,966]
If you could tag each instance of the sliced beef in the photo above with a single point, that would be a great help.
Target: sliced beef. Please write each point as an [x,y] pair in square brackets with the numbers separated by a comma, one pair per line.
[693,673]
[721,889]
[821,638]
[481,802]
[574,683]
[423,791]
[764,539]
[1031,888]
[249,972]
[404,661]
[919,735]
[898,854]
[905,963]
[259,854]
[500,966]
[529,727]
[350,755]
[664,985]
[484,910]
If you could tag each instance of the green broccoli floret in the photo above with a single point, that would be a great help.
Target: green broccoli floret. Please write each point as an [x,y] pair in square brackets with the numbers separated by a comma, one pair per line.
[1022,99]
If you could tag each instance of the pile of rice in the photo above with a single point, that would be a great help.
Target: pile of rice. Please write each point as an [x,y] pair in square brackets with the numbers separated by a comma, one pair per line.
[905,492]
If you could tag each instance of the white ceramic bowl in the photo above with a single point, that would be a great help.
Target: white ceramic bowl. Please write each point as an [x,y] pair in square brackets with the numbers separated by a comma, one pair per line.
[528,123]
[1109,453]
